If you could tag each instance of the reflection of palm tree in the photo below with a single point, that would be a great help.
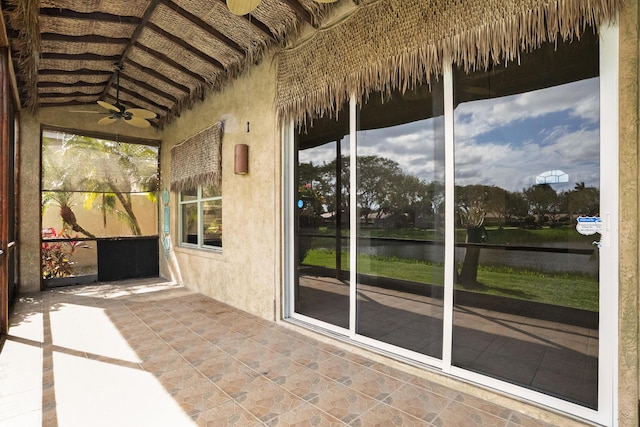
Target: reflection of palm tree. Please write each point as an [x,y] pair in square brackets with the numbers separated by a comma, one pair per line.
[112,171]
[64,201]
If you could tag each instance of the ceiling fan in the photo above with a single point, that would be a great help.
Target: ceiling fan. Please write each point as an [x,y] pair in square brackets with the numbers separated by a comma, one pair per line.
[242,7]
[133,116]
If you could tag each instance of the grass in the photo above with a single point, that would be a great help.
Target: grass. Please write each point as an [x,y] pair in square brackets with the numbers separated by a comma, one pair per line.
[495,235]
[562,289]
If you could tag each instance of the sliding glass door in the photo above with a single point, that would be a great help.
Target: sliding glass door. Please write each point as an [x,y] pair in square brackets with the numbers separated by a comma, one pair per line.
[400,228]
[466,224]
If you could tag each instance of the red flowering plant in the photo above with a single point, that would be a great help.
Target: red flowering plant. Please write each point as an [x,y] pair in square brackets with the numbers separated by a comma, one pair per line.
[56,256]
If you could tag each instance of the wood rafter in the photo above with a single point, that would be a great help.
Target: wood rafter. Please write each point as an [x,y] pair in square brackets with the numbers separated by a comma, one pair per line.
[148,87]
[301,12]
[180,42]
[80,71]
[164,58]
[157,75]
[80,56]
[83,39]
[93,16]
[142,98]
[79,83]
[80,50]
[204,26]
[132,41]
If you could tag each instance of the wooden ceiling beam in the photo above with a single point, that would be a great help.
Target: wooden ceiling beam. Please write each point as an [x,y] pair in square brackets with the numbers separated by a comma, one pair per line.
[164,58]
[62,104]
[55,12]
[142,98]
[79,83]
[83,71]
[158,75]
[127,104]
[257,24]
[302,13]
[186,46]
[148,87]
[90,38]
[132,41]
[65,95]
[204,26]
[79,56]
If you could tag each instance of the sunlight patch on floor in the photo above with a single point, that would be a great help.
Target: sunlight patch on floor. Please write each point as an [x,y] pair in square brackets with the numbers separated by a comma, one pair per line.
[76,327]
[94,393]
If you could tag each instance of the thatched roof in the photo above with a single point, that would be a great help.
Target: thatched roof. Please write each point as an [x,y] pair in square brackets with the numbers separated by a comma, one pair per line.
[65,51]
[397,44]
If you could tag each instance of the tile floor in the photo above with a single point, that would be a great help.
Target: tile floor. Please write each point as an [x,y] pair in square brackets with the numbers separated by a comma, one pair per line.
[152,353]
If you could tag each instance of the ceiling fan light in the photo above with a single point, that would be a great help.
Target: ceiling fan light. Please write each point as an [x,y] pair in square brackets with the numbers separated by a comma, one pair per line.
[242,7]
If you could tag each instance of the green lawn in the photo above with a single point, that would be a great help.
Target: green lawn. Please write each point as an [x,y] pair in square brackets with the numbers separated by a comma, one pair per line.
[495,235]
[567,290]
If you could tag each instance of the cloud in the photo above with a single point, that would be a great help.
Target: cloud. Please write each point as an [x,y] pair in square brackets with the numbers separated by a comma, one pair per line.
[504,141]
[579,100]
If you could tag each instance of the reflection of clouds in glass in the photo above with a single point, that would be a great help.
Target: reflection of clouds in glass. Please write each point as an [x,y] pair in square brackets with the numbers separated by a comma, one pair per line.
[318,155]
[504,141]
[580,99]
[515,166]
[412,145]
[508,141]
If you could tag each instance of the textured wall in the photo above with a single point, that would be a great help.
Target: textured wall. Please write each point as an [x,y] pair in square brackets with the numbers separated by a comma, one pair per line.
[628,296]
[246,272]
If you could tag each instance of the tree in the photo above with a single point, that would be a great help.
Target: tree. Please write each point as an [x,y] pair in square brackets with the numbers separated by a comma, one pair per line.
[543,200]
[128,168]
[583,200]
[58,181]
[376,175]
[516,207]
[471,206]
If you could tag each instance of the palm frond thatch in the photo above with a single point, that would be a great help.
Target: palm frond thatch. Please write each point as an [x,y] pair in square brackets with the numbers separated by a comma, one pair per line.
[396,44]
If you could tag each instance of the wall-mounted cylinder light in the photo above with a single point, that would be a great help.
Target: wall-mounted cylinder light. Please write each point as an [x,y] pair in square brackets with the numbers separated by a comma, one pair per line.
[241,159]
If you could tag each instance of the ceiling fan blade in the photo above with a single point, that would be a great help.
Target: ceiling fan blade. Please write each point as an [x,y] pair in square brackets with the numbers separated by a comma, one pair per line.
[141,113]
[107,120]
[137,122]
[108,106]
[88,111]
[242,7]
[326,1]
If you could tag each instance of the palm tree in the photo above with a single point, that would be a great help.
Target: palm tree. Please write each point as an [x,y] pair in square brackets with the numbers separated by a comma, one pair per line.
[113,171]
[59,190]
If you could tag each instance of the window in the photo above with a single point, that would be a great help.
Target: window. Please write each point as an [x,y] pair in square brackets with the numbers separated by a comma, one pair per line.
[439,224]
[201,217]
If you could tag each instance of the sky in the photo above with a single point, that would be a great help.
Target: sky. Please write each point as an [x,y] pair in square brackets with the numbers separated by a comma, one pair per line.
[505,141]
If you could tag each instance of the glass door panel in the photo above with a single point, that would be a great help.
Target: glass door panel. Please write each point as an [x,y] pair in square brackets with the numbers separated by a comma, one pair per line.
[527,166]
[321,288]
[400,206]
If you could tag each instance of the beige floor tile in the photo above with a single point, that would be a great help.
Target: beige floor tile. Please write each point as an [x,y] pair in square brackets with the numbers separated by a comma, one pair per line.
[163,355]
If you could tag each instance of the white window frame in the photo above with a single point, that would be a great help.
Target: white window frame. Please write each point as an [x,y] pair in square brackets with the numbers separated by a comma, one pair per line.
[199,201]
[608,332]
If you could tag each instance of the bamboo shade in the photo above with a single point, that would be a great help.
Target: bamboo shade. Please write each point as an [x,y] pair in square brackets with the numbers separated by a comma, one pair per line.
[198,160]
[396,44]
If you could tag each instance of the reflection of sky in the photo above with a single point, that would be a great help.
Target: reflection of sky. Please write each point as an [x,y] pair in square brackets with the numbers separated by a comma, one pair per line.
[508,141]
[502,141]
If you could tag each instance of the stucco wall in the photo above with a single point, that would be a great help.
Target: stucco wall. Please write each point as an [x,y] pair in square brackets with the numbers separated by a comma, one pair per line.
[628,296]
[245,273]
[29,200]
